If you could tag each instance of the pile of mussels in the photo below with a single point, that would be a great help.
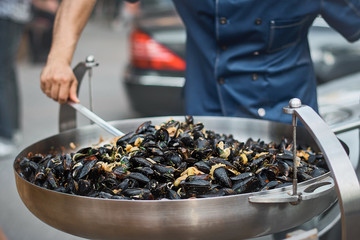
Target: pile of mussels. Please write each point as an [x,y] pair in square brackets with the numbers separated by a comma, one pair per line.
[175,160]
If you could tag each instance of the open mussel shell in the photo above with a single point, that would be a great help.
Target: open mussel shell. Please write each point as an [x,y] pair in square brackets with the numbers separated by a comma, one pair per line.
[225,217]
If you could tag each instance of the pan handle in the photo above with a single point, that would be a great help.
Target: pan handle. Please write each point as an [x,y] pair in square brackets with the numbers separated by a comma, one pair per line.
[308,192]
[67,115]
[346,182]
[346,127]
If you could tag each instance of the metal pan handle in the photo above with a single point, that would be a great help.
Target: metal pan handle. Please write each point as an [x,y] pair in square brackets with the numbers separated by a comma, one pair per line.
[67,115]
[346,181]
[318,189]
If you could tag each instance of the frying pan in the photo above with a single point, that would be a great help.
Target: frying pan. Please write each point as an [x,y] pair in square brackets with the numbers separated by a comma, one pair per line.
[228,217]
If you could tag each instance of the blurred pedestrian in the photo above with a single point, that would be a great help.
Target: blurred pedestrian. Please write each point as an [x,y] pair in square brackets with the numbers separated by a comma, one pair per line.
[40,28]
[14,14]
[124,14]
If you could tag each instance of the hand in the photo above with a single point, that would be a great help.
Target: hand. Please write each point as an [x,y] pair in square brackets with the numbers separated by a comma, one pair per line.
[58,82]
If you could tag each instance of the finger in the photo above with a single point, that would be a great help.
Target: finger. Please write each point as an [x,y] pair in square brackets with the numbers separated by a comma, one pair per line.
[42,81]
[54,93]
[73,89]
[47,90]
[64,93]
[45,86]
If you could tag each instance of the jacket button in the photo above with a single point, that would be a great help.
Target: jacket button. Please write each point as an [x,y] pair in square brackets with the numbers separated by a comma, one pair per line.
[254,77]
[223,20]
[256,53]
[223,47]
[221,80]
[261,112]
[258,21]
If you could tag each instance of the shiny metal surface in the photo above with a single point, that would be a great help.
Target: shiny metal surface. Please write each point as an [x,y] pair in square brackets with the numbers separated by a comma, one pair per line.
[347,184]
[230,217]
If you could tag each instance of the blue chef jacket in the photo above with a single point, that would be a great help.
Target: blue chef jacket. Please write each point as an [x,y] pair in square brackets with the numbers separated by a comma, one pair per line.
[248,58]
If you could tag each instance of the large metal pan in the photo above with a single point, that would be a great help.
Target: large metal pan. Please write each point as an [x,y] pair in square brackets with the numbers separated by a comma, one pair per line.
[230,217]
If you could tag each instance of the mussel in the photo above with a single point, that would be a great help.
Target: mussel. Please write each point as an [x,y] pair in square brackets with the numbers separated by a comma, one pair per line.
[174,160]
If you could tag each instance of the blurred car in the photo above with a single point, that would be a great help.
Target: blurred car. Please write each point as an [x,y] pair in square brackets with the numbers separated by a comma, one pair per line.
[155,74]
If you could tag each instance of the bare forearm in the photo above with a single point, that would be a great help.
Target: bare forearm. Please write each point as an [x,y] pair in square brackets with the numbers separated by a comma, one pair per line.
[57,79]
[70,20]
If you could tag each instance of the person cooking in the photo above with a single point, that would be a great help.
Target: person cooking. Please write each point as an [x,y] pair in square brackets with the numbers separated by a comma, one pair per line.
[245,58]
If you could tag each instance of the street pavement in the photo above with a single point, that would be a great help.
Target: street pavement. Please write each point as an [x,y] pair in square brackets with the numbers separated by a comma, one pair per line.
[40,119]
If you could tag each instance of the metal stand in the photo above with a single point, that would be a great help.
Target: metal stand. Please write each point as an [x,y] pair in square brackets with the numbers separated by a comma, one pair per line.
[347,185]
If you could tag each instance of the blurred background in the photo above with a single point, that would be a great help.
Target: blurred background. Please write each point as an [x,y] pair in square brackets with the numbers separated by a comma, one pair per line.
[140,50]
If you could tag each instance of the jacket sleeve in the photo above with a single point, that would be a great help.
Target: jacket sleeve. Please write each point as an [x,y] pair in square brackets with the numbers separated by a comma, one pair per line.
[343,16]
